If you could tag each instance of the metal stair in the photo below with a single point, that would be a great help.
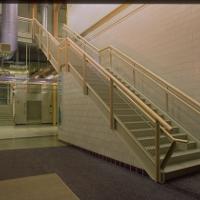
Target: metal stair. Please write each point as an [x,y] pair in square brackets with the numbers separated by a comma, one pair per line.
[144,131]
[163,154]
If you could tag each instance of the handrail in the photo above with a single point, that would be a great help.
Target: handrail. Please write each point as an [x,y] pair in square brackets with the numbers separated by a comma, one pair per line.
[49,34]
[150,112]
[82,38]
[161,124]
[25,19]
[173,138]
[192,103]
[175,91]
[103,71]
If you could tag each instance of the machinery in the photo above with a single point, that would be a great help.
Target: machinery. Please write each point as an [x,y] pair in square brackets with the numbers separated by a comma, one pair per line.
[33,103]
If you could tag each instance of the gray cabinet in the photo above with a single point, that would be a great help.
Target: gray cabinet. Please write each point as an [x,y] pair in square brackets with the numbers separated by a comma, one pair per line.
[21,104]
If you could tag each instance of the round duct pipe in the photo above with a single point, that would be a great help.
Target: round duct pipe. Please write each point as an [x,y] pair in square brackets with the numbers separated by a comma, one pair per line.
[45,15]
[9,26]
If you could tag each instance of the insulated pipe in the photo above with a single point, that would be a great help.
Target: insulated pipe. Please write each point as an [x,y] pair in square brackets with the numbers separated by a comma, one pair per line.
[9,26]
[45,15]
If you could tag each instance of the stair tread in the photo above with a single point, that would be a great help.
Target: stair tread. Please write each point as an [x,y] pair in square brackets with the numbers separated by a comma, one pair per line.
[136,122]
[180,153]
[162,145]
[142,129]
[162,136]
[182,165]
[153,146]
[127,115]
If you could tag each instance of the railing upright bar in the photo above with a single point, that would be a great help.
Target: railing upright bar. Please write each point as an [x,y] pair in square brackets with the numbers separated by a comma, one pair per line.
[157,142]
[85,89]
[111,104]
[110,56]
[167,101]
[47,46]
[66,56]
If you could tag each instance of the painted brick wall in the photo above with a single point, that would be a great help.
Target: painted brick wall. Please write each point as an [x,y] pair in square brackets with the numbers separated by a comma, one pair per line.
[84,124]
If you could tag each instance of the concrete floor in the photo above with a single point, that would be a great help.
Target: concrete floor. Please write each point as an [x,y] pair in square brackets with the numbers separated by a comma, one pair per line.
[21,131]
[29,143]
[28,136]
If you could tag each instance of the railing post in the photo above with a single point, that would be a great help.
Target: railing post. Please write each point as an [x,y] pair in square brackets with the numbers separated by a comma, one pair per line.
[134,76]
[112,123]
[54,104]
[157,141]
[26,56]
[100,58]
[39,36]
[66,55]
[13,100]
[33,29]
[167,100]
[85,89]
[110,58]
[47,46]
[58,57]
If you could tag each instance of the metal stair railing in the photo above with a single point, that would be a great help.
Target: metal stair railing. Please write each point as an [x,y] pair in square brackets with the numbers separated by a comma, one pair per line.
[60,57]
[160,123]
[162,95]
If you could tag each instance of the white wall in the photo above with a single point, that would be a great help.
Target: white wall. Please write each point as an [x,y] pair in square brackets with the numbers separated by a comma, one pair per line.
[82,16]
[164,38]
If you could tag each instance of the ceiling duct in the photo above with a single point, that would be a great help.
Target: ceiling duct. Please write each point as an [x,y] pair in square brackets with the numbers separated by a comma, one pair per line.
[9,27]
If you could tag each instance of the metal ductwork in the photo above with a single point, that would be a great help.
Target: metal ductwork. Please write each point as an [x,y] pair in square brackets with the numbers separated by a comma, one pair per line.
[9,26]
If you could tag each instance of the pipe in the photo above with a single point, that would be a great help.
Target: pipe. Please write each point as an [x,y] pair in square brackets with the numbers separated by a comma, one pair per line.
[45,15]
[9,26]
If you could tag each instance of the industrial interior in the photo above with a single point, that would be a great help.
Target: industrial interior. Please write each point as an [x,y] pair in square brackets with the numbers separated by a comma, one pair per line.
[99,101]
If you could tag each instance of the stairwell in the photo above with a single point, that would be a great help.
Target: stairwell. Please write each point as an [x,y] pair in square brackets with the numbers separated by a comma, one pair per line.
[171,155]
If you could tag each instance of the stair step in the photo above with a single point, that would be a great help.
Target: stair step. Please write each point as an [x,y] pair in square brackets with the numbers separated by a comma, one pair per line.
[124,111]
[150,140]
[164,147]
[180,169]
[144,132]
[122,105]
[135,117]
[137,125]
[183,156]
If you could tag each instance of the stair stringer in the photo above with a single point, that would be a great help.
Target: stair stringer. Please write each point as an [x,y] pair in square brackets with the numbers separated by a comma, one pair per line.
[123,133]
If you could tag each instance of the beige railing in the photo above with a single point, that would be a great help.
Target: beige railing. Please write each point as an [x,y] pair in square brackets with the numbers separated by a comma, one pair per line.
[57,51]
[160,123]
[159,92]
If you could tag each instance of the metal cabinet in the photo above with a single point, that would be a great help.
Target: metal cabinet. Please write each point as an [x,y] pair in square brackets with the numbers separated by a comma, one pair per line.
[21,104]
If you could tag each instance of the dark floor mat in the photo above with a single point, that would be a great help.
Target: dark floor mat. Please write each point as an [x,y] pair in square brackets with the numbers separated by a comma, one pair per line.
[91,178]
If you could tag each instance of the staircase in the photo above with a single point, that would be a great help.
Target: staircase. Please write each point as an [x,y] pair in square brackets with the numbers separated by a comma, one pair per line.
[6,115]
[163,147]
